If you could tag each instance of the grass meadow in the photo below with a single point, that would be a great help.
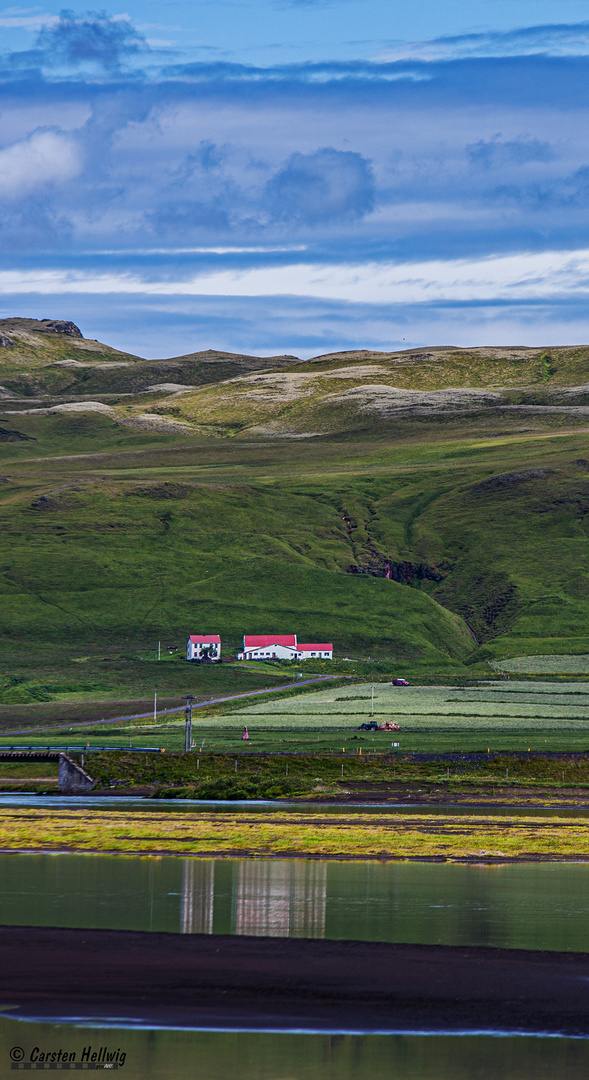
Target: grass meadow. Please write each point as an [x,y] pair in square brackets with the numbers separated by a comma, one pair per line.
[502,716]
[351,835]
[113,538]
[551,664]
[116,534]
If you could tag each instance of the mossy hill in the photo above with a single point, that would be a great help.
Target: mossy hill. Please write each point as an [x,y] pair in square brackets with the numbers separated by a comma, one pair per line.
[379,500]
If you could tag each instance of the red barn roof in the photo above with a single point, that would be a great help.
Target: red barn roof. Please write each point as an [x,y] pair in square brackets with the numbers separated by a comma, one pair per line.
[321,647]
[264,641]
[204,639]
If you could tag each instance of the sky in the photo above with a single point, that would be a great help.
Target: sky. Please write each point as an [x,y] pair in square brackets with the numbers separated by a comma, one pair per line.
[297,176]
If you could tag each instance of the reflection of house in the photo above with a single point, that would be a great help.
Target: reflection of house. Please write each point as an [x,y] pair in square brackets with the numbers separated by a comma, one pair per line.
[282,647]
[203,648]
[198,884]
[265,898]
[280,899]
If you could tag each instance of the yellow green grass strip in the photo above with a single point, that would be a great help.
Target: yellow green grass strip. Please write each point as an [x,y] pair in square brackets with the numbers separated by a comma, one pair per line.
[353,835]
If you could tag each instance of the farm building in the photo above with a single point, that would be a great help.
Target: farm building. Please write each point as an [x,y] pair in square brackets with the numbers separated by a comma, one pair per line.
[204,648]
[321,651]
[282,647]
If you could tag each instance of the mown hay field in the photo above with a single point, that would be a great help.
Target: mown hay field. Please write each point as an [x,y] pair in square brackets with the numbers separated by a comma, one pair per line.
[513,705]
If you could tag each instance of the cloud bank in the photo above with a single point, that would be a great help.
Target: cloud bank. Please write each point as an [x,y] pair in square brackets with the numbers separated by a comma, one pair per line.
[454,180]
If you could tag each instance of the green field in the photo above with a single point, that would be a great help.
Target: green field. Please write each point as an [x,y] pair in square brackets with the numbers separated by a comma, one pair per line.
[500,716]
[354,835]
[277,495]
[60,685]
[544,665]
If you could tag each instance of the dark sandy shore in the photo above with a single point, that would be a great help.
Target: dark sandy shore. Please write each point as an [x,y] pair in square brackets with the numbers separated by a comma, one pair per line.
[277,983]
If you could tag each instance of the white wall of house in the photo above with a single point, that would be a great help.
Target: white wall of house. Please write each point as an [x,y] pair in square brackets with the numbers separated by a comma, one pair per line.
[269,652]
[195,650]
[283,652]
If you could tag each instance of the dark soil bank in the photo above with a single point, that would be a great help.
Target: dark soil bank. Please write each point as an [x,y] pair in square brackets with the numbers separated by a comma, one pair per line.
[223,981]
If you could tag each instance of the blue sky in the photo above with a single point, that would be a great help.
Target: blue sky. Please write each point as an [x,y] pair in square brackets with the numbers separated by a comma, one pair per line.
[298,176]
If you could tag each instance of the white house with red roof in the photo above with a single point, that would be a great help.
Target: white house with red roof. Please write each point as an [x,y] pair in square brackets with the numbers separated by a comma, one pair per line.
[282,647]
[204,648]
[321,651]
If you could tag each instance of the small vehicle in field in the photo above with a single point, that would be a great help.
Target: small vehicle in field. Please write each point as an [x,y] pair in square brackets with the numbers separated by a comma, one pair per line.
[399,682]
[371,725]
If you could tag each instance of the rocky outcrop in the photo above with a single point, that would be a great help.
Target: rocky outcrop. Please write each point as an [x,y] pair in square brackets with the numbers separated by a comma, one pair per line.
[167,490]
[68,407]
[9,435]
[487,599]
[68,328]
[44,502]
[392,401]
[495,483]
[379,566]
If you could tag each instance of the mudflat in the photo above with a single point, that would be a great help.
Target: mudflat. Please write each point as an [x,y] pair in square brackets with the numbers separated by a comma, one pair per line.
[276,983]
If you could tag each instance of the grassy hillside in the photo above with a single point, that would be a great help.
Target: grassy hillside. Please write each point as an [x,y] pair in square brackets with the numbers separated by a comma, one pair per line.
[431,489]
[150,559]
[372,392]
[51,360]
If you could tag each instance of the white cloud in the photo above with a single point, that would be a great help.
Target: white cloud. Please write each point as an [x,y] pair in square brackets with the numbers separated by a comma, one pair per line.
[521,277]
[259,250]
[25,19]
[45,157]
[19,120]
[553,39]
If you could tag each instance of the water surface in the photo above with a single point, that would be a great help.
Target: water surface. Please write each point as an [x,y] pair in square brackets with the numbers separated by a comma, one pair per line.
[122,803]
[529,906]
[197,1055]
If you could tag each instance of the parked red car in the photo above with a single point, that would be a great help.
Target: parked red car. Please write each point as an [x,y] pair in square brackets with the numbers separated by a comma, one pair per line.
[399,682]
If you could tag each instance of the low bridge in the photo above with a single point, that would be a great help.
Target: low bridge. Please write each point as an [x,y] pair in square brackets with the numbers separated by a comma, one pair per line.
[72,776]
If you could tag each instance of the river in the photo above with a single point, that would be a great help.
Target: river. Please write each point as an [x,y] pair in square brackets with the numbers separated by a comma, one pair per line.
[532,906]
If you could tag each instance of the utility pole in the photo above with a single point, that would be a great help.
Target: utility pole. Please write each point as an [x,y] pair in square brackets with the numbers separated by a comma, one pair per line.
[159,650]
[155,705]
[372,700]
[188,723]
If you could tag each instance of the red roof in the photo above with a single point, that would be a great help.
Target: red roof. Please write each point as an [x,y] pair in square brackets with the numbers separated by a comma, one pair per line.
[263,641]
[321,647]
[203,639]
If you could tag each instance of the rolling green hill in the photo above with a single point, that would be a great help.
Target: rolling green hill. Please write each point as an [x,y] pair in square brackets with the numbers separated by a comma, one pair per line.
[382,501]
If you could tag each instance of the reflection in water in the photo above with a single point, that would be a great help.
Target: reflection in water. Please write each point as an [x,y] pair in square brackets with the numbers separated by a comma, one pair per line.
[265,899]
[525,906]
[198,893]
[280,899]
